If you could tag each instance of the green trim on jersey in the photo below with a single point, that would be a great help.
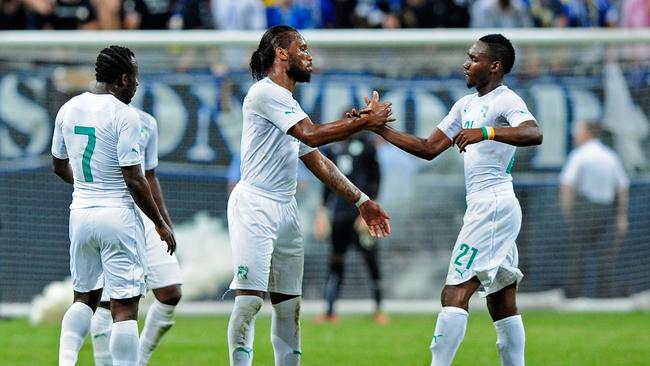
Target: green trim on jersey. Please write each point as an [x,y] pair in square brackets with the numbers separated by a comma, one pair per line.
[88,152]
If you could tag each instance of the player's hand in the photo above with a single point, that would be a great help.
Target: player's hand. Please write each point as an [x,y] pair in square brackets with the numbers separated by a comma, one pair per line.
[467,136]
[376,114]
[167,235]
[376,218]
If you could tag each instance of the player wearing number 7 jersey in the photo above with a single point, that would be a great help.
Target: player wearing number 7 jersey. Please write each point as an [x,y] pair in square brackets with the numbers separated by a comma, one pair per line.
[95,147]
[486,126]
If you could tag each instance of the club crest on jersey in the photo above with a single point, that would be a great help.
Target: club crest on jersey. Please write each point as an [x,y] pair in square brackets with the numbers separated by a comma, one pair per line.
[242,272]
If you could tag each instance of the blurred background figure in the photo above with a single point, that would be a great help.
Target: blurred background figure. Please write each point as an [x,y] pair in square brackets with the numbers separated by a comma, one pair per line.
[287,12]
[500,14]
[594,196]
[357,159]
[589,13]
[13,15]
[64,14]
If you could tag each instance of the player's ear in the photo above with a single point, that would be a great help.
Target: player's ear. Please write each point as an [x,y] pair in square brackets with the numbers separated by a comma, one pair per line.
[123,80]
[495,66]
[281,53]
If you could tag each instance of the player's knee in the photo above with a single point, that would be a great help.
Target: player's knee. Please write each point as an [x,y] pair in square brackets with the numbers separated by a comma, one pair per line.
[452,296]
[169,295]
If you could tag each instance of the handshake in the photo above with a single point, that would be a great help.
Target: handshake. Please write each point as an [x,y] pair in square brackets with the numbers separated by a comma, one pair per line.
[374,115]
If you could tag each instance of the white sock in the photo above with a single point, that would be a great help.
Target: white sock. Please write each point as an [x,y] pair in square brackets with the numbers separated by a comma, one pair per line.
[124,343]
[100,334]
[450,331]
[511,340]
[74,328]
[285,332]
[241,329]
[156,324]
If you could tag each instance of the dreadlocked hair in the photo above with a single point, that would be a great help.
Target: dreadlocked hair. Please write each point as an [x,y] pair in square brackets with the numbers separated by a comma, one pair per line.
[500,50]
[113,62]
[263,57]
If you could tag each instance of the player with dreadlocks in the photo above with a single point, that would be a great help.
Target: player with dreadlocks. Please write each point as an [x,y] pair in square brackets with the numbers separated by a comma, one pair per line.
[95,147]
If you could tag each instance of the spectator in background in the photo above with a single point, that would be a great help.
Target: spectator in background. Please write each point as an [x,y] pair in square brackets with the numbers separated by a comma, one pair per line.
[109,13]
[589,13]
[635,14]
[451,13]
[434,14]
[65,14]
[13,15]
[286,12]
[500,14]
[149,14]
[547,13]
[357,160]
[594,197]
[238,14]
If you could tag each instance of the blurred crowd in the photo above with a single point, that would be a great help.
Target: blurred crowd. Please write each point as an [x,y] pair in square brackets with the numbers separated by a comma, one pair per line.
[314,14]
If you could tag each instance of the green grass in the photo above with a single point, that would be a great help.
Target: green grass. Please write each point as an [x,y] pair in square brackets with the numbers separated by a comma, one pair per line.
[552,339]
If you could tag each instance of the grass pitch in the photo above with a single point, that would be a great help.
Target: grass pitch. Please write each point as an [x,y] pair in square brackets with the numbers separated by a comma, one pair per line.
[552,339]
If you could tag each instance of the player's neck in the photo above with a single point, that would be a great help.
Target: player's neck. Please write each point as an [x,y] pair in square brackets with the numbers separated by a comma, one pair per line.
[488,87]
[281,78]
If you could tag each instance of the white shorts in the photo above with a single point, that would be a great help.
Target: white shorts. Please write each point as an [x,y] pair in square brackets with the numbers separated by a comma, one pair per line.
[162,269]
[486,246]
[111,241]
[267,247]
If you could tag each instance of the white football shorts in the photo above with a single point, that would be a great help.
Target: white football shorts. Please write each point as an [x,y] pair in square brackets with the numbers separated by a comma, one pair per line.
[162,269]
[107,240]
[267,247]
[486,246]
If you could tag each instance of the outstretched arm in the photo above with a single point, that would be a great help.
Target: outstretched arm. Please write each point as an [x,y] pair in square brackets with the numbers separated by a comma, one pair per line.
[427,148]
[325,170]
[316,135]
[526,134]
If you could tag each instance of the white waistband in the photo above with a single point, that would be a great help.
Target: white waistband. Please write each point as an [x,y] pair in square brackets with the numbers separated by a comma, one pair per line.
[249,188]
[502,189]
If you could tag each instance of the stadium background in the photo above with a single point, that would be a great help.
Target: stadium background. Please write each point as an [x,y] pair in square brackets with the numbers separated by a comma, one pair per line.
[194,84]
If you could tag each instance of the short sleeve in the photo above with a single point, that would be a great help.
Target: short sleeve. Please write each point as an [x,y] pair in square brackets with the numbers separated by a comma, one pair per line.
[151,150]
[279,107]
[304,149]
[451,124]
[128,138]
[59,150]
[515,110]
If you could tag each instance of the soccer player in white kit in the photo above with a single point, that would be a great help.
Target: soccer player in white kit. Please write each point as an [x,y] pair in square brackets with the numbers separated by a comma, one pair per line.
[95,147]
[486,126]
[163,274]
[268,253]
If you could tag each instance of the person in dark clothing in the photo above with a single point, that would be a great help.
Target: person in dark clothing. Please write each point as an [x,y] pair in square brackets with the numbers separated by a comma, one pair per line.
[357,159]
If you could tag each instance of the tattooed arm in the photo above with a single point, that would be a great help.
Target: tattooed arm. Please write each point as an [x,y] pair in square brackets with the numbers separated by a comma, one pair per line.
[325,170]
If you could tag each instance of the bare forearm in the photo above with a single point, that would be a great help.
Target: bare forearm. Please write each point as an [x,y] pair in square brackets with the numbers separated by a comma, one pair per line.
[317,135]
[422,148]
[156,193]
[141,193]
[328,173]
[522,135]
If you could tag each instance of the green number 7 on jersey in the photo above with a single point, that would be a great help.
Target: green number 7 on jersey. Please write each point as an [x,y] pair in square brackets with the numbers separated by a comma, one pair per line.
[88,153]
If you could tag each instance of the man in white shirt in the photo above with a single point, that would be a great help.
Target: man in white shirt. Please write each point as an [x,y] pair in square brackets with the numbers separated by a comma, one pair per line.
[95,147]
[268,253]
[486,126]
[163,272]
[594,196]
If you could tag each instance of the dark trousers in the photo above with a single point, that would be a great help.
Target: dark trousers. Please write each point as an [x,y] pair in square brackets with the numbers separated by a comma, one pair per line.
[593,250]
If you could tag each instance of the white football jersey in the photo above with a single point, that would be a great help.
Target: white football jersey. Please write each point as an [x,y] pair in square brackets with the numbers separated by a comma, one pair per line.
[488,162]
[99,134]
[148,140]
[269,156]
